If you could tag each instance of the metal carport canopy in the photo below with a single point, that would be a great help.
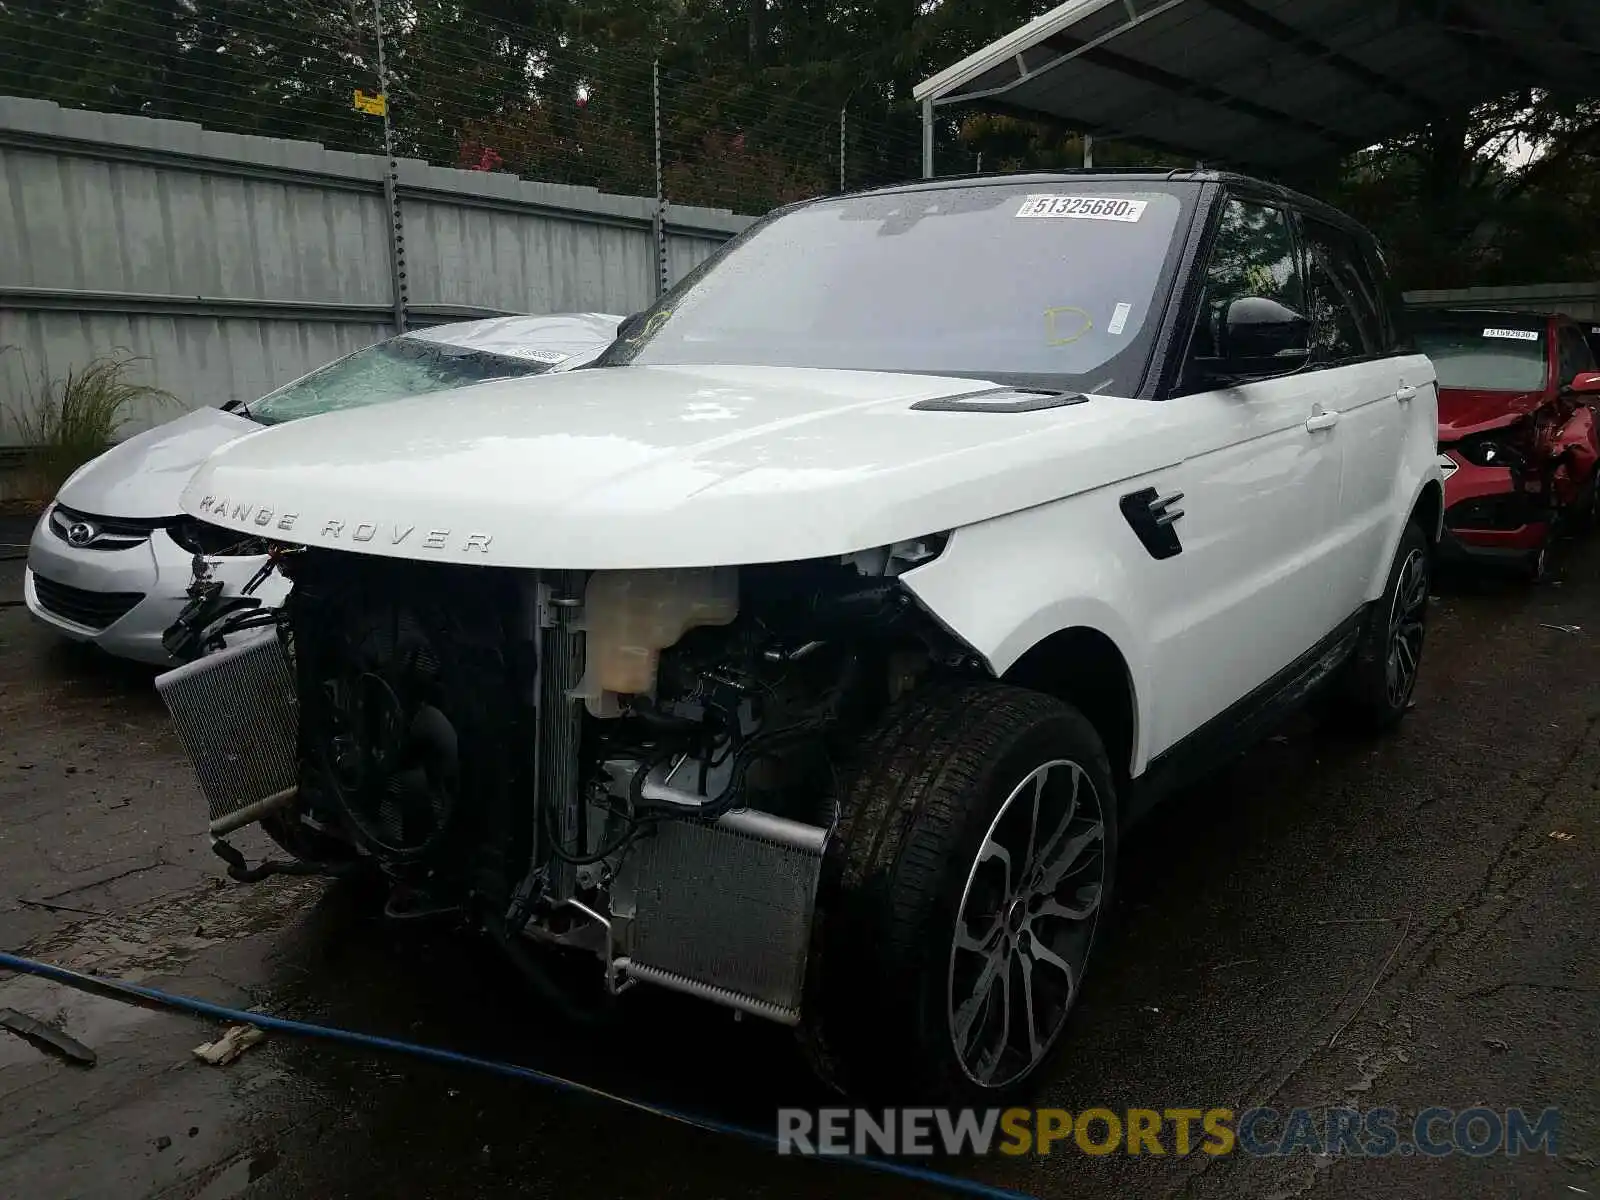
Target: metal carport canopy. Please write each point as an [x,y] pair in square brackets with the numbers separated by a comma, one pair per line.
[1268,85]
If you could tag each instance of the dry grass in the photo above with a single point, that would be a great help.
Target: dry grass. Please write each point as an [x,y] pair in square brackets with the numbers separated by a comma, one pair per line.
[65,422]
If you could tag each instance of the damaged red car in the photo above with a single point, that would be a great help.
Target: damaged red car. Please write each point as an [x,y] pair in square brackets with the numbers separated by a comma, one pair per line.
[1518,439]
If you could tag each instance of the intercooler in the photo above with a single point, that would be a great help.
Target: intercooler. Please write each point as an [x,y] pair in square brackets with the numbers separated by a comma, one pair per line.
[722,910]
[235,713]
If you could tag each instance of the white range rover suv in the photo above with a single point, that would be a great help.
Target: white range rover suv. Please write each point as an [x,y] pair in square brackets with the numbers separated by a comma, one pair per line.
[810,651]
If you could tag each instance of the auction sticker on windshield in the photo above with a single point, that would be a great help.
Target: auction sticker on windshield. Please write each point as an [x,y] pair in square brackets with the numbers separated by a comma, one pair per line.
[1520,335]
[1092,208]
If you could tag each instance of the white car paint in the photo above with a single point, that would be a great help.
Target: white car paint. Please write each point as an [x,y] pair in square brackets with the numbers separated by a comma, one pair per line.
[632,467]
[644,467]
[142,478]
[1295,490]
[158,569]
[138,479]
[1265,570]
[1217,531]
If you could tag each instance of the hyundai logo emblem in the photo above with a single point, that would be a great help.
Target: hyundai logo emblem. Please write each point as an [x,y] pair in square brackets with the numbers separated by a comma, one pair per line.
[81,533]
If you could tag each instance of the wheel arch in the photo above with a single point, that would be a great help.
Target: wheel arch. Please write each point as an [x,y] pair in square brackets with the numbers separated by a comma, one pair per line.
[1428,511]
[1085,668]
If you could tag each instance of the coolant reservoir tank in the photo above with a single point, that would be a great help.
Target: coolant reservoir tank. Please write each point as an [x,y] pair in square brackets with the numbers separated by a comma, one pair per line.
[629,617]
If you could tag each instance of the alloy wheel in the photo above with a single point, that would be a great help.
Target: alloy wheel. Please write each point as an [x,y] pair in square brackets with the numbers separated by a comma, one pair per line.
[1406,629]
[1026,924]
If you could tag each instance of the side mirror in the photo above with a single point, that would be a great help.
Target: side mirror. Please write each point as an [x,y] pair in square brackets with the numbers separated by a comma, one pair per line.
[1262,337]
[1586,383]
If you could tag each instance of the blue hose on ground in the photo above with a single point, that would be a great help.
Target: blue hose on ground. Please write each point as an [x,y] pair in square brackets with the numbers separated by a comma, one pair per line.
[116,989]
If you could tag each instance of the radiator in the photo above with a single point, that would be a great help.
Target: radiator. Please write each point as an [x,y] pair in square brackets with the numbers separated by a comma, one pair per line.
[236,715]
[722,910]
[560,731]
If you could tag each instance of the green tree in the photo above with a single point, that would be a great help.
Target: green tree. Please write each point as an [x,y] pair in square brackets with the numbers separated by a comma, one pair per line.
[1503,194]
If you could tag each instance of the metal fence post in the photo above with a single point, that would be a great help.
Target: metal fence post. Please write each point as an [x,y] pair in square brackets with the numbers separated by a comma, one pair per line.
[927,139]
[659,223]
[841,150]
[391,188]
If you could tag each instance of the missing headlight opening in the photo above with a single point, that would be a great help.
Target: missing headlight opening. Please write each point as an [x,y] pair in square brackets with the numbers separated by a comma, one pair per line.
[641,764]
[200,537]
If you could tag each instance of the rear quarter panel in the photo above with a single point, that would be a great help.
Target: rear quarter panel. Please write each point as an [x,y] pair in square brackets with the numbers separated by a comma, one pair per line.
[1418,466]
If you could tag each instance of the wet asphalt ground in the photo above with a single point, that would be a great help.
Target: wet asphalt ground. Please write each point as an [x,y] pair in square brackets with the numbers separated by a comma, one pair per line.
[1332,921]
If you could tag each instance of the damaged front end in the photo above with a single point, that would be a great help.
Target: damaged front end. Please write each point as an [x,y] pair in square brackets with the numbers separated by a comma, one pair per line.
[1508,489]
[642,766]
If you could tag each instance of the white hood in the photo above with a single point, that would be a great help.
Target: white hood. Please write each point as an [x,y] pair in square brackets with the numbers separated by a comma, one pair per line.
[143,476]
[640,467]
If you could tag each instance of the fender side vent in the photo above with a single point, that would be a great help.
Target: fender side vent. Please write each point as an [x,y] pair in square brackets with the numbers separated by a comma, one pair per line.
[1151,517]
[1001,400]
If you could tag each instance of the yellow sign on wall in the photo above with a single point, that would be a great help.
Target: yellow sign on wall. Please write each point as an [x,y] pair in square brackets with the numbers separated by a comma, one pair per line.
[373,105]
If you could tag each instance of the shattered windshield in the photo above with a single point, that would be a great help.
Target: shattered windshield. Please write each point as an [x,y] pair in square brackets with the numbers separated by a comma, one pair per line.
[402,366]
[1485,356]
[1055,284]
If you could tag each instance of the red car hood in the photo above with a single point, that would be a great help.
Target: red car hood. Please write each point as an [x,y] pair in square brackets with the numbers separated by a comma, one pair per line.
[1464,411]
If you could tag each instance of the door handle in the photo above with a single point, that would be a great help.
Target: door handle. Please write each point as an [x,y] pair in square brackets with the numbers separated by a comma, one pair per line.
[1405,392]
[1322,420]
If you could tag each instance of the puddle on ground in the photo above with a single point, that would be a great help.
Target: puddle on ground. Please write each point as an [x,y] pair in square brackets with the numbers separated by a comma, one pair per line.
[157,941]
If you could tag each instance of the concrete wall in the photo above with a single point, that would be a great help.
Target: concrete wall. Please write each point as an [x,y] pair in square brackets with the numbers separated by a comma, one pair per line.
[1578,300]
[234,264]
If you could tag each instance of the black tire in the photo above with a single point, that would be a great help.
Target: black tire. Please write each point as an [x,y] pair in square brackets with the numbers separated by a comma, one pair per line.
[1367,695]
[1587,518]
[884,966]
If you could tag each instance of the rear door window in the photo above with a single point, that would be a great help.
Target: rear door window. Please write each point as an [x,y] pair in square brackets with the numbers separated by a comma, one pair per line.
[1391,303]
[1345,305]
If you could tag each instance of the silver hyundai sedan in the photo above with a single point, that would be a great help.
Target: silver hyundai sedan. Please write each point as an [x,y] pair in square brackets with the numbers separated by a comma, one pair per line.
[112,557]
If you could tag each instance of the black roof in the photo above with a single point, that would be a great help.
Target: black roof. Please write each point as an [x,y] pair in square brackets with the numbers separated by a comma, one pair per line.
[1261,188]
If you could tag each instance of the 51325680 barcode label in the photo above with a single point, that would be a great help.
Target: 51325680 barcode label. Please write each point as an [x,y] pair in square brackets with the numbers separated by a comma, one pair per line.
[1091,208]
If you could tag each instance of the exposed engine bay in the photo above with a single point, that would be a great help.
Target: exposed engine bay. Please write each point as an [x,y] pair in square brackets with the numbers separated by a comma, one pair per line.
[639,765]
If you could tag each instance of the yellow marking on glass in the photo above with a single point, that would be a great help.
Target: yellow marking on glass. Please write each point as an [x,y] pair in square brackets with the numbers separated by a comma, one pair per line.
[1052,325]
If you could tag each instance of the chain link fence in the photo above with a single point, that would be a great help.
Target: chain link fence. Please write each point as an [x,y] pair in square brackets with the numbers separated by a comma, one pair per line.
[456,88]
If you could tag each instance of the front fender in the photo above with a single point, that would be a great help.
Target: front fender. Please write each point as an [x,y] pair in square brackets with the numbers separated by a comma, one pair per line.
[1003,586]
[1578,448]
